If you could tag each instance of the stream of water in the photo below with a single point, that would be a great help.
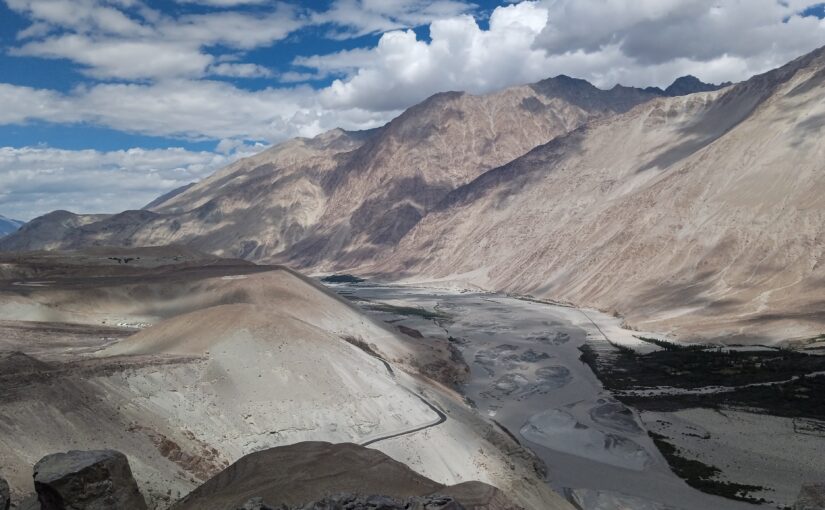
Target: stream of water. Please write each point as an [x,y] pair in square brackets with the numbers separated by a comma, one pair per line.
[526,375]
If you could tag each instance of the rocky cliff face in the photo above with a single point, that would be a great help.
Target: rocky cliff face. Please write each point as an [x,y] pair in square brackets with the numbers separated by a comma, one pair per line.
[700,215]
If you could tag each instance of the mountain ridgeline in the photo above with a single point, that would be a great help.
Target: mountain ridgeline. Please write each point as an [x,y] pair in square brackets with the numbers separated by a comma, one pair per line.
[344,197]
[694,210]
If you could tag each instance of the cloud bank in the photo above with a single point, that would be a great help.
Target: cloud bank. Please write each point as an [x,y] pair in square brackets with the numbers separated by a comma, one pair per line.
[45,179]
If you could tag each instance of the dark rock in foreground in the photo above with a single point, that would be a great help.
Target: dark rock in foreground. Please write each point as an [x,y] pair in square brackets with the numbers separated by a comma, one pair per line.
[302,476]
[288,477]
[5,497]
[86,480]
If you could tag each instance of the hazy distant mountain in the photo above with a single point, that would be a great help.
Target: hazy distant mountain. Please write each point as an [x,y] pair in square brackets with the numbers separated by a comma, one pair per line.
[343,197]
[702,215]
[686,85]
[691,85]
[8,226]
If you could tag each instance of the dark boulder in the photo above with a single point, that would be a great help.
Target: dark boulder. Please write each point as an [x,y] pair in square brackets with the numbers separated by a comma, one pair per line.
[86,480]
[5,497]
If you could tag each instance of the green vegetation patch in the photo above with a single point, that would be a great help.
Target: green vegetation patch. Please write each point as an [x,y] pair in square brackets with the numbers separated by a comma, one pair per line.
[694,368]
[342,278]
[801,398]
[672,346]
[410,311]
[702,476]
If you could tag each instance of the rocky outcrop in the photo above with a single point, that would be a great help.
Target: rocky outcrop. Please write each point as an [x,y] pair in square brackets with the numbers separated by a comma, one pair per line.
[811,497]
[86,480]
[330,477]
[5,497]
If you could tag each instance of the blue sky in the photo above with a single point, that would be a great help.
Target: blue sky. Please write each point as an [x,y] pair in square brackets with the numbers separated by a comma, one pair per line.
[105,104]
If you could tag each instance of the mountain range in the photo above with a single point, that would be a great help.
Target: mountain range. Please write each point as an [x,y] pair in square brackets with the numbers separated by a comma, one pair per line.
[329,200]
[694,210]
[698,215]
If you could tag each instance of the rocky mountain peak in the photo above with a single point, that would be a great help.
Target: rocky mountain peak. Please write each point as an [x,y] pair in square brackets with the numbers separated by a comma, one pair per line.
[587,96]
[690,84]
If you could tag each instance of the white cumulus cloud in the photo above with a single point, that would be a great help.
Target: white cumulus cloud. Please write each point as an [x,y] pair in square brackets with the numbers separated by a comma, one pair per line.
[36,180]
[632,42]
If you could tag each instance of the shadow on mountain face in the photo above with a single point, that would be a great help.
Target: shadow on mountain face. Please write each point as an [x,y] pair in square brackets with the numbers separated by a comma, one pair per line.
[386,219]
[815,313]
[811,83]
[691,291]
[733,107]
[812,124]
[512,178]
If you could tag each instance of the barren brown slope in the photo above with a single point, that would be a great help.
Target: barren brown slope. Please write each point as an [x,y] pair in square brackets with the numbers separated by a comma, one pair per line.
[341,198]
[398,176]
[701,215]
[253,207]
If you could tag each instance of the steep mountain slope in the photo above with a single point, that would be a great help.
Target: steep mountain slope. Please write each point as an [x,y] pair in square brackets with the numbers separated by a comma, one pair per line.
[8,225]
[700,215]
[341,198]
[396,178]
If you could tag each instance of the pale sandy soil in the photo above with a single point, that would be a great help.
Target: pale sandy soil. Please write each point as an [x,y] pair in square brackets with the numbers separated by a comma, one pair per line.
[224,364]
[758,449]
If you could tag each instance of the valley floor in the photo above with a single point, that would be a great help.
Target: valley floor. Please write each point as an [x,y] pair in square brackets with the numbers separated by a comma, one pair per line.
[527,374]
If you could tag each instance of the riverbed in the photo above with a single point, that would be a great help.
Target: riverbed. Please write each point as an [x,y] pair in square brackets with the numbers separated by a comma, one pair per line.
[525,373]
